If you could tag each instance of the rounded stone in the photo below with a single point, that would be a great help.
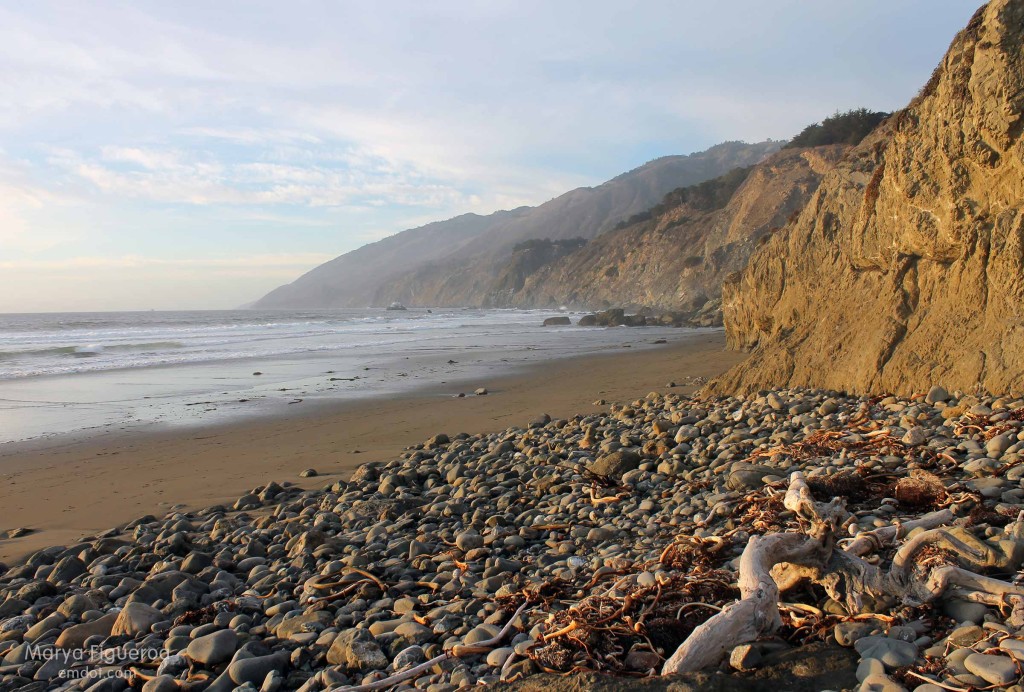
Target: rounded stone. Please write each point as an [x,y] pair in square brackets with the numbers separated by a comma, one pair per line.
[891,652]
[213,648]
[469,540]
[997,670]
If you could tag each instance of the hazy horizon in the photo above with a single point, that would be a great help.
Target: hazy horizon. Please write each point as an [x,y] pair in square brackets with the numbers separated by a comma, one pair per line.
[190,156]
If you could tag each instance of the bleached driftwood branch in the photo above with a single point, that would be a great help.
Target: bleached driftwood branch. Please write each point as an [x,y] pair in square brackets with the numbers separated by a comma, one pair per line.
[771,563]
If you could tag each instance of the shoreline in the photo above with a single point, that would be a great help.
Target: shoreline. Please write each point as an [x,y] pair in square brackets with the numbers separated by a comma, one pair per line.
[69,488]
[382,360]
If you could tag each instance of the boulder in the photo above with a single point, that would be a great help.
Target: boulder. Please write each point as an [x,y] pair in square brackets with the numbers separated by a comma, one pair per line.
[356,649]
[135,619]
[559,321]
[615,464]
[611,318]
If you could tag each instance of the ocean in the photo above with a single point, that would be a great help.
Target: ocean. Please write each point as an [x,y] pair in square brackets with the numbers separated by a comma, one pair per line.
[68,343]
[73,372]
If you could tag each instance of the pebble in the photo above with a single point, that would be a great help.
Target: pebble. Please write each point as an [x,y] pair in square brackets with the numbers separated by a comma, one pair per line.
[255,670]
[214,648]
[356,649]
[848,632]
[643,660]
[469,540]
[454,525]
[891,652]
[161,683]
[996,670]
[615,464]
[1014,647]
[964,611]
[497,657]
[915,437]
[868,667]
[936,394]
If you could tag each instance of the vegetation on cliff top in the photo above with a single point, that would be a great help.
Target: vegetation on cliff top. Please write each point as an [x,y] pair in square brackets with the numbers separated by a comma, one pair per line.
[706,196]
[841,128]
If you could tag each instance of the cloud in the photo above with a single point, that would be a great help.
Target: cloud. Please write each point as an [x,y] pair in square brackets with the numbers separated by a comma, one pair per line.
[258,262]
[316,178]
[144,129]
[21,205]
[249,135]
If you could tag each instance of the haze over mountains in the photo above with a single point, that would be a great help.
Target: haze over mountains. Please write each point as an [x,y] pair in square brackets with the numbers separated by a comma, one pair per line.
[421,266]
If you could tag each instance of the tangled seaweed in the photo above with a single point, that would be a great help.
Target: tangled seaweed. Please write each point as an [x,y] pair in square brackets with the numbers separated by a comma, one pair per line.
[596,627]
[600,630]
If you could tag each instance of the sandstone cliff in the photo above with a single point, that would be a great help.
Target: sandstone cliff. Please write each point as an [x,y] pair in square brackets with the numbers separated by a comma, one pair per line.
[905,268]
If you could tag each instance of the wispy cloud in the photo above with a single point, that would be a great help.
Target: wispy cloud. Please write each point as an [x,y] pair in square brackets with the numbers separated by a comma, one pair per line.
[288,177]
[285,261]
[249,135]
[148,129]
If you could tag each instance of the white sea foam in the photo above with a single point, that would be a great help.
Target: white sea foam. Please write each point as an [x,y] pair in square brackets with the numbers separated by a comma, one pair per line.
[113,371]
[63,344]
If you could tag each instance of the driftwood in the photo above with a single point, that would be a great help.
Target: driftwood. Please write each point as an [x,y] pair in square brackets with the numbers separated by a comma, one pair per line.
[772,563]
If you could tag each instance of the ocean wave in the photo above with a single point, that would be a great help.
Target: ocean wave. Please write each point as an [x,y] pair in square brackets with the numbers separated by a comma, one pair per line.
[87,349]
[36,345]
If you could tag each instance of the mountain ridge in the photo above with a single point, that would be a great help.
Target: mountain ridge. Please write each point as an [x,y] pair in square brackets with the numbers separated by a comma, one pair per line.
[359,278]
[676,259]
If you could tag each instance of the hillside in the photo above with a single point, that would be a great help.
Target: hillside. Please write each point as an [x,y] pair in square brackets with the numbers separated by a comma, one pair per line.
[421,266]
[905,269]
[351,279]
[678,257]
[670,257]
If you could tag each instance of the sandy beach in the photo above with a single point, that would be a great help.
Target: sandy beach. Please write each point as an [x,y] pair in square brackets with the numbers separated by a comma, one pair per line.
[68,489]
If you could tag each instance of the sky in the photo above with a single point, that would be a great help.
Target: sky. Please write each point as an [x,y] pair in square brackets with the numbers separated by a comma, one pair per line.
[195,155]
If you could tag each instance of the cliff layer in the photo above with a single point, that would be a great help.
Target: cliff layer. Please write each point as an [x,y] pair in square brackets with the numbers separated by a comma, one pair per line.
[906,268]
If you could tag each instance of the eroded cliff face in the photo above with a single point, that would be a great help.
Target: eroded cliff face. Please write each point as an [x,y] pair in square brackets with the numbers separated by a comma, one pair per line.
[906,268]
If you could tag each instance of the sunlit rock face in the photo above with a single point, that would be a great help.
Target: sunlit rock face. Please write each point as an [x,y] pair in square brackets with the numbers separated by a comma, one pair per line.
[906,268]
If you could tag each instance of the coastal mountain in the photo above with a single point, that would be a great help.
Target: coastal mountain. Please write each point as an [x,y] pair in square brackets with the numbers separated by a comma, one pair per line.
[671,257]
[414,266]
[906,267]
[675,256]
[352,279]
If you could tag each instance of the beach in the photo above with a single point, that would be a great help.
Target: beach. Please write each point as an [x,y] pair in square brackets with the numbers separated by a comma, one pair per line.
[68,487]
[511,540]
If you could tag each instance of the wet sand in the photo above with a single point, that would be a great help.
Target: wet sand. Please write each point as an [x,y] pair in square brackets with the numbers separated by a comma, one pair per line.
[68,489]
